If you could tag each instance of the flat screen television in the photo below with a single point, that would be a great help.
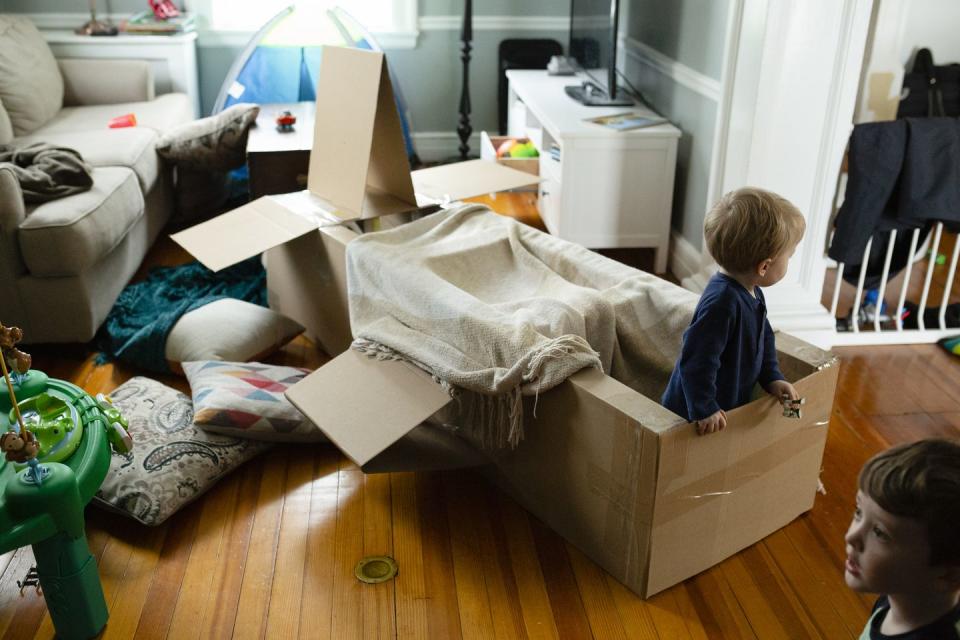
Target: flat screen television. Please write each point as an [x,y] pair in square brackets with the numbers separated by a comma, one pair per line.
[593,46]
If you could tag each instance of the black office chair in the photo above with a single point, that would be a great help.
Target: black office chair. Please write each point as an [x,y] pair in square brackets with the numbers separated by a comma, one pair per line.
[521,53]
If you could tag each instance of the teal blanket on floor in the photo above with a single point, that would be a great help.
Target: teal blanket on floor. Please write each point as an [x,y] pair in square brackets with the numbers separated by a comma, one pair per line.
[137,327]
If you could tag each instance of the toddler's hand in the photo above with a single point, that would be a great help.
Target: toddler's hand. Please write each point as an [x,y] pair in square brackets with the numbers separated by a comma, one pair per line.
[780,388]
[712,423]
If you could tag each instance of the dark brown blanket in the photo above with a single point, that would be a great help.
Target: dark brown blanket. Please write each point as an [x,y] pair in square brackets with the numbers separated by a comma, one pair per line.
[46,172]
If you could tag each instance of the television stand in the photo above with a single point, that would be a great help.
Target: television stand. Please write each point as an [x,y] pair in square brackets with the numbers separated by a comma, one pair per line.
[600,188]
[590,95]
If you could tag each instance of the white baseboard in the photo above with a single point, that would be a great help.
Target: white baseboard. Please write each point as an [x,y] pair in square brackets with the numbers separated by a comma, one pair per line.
[684,257]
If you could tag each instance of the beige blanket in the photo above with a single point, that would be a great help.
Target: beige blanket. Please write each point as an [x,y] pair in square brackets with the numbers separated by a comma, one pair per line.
[499,309]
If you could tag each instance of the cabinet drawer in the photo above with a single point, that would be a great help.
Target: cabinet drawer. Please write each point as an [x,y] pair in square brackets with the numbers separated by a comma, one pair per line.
[549,168]
[548,203]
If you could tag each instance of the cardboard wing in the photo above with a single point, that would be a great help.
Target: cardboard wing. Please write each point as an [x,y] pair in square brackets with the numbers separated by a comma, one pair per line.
[373,411]
[358,169]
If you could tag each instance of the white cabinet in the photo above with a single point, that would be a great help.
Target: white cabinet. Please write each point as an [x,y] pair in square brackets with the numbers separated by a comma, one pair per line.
[173,58]
[608,189]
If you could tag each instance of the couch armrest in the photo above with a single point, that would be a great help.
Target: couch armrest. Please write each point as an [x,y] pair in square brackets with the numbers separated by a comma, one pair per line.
[12,214]
[96,81]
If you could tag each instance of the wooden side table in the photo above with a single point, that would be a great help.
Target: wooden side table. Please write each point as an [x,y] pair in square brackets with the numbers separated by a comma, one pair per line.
[278,161]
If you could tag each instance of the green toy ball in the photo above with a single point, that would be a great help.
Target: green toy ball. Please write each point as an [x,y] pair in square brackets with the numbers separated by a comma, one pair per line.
[524,150]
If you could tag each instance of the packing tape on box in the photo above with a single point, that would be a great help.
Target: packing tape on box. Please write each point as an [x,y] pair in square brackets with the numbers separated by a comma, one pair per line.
[676,501]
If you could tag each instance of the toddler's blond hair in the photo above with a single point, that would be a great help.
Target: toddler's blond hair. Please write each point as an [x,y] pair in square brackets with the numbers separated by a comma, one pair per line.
[750,225]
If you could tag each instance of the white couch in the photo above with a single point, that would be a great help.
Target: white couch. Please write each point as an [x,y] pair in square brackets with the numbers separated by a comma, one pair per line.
[64,262]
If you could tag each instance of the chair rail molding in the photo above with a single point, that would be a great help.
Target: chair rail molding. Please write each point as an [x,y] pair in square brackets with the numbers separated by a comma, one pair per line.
[789,88]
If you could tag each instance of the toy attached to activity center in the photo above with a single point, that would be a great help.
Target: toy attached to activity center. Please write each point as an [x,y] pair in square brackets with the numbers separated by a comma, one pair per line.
[56,439]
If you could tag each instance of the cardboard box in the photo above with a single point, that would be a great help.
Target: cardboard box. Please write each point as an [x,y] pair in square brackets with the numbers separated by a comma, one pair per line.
[623,479]
[626,481]
[488,151]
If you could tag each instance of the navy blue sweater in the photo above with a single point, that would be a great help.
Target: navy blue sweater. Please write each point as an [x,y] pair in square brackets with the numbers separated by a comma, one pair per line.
[727,348]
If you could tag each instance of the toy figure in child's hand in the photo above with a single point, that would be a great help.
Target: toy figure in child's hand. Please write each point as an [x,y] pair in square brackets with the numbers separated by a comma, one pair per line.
[791,406]
[19,447]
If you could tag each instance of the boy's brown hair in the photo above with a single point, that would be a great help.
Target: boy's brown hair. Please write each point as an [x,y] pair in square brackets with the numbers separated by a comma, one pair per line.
[750,225]
[920,480]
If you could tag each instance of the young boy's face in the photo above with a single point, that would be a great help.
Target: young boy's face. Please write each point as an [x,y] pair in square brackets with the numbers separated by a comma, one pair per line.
[887,553]
[777,268]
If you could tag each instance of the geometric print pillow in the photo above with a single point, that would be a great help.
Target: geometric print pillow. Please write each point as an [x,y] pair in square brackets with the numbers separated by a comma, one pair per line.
[245,399]
[172,462]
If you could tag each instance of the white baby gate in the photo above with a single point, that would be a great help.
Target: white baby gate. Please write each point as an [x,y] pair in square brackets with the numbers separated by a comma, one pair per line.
[877,330]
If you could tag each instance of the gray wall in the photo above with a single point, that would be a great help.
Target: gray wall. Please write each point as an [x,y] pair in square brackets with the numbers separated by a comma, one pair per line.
[429,76]
[691,32]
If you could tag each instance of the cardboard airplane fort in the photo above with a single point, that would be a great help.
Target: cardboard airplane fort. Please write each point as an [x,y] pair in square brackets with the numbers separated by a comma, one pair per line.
[623,479]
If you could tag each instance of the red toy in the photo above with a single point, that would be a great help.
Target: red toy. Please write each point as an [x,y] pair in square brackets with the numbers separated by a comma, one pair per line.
[126,120]
[163,9]
[285,121]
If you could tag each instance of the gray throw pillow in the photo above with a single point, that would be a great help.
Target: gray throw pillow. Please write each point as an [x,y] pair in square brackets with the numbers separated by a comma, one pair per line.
[228,329]
[172,461]
[31,86]
[216,143]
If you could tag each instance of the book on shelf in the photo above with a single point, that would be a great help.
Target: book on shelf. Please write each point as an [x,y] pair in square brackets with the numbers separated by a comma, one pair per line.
[146,23]
[627,121]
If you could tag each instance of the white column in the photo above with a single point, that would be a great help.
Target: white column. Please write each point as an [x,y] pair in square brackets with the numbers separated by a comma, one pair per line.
[791,79]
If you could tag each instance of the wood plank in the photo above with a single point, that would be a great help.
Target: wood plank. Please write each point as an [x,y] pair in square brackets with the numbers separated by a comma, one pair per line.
[410,590]
[347,618]
[13,605]
[258,572]
[379,615]
[283,618]
[316,605]
[689,613]
[809,590]
[476,619]
[561,585]
[220,611]
[821,564]
[595,594]
[198,585]
[531,590]
[168,574]
[505,603]
[132,599]
[443,616]
[717,607]
[768,608]
[666,616]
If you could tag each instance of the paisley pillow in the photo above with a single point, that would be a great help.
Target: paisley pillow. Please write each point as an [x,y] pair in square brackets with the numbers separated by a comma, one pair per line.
[172,461]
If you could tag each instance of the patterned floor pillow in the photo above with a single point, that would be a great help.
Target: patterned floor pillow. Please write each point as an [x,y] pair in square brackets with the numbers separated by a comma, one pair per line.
[246,399]
[173,461]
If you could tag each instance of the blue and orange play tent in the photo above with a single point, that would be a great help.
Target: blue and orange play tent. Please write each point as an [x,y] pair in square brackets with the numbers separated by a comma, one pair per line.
[282,60]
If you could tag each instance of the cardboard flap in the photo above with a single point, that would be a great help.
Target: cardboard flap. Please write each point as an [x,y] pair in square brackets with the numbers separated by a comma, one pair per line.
[357,107]
[363,404]
[468,179]
[242,233]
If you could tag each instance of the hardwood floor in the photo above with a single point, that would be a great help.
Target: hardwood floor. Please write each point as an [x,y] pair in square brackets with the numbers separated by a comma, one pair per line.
[270,550]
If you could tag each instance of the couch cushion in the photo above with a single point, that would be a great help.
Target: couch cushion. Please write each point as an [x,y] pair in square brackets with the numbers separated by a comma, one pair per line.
[132,147]
[6,127]
[31,86]
[67,236]
[161,114]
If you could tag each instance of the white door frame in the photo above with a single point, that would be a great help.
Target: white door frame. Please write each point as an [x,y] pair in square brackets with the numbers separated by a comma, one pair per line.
[790,82]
